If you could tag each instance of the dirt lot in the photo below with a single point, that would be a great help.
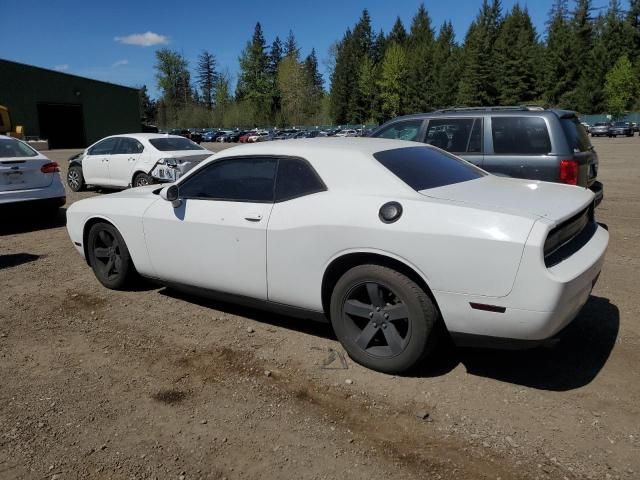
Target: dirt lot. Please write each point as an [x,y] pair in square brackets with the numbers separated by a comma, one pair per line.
[155,384]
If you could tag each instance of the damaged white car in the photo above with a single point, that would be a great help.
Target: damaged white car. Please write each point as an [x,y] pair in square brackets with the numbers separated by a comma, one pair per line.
[136,159]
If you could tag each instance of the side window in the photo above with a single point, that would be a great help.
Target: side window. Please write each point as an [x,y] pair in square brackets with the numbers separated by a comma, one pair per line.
[456,135]
[105,147]
[234,179]
[296,178]
[406,130]
[129,146]
[520,136]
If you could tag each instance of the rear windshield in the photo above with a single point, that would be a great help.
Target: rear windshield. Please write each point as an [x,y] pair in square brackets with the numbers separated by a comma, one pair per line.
[423,167]
[172,144]
[15,148]
[576,135]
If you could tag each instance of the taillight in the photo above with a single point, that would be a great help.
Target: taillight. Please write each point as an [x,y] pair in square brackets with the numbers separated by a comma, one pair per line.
[569,172]
[50,167]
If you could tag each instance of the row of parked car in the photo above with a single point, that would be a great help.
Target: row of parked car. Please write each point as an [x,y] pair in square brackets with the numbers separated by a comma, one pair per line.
[261,135]
[608,129]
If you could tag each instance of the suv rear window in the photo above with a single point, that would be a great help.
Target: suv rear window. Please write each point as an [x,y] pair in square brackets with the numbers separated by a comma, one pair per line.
[423,167]
[172,144]
[520,135]
[576,135]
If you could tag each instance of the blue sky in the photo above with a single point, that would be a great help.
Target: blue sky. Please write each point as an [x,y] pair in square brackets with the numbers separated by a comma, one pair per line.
[96,38]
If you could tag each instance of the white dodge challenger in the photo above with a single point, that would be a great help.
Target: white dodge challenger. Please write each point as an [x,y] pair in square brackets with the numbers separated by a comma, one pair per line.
[388,240]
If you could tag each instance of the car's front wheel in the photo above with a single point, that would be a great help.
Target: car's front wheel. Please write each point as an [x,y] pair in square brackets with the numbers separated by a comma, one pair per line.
[109,256]
[384,319]
[75,179]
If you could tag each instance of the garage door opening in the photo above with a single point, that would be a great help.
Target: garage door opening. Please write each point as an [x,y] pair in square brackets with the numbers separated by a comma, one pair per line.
[62,125]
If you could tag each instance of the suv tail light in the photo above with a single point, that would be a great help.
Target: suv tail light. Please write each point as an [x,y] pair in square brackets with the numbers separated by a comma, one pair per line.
[569,172]
[50,167]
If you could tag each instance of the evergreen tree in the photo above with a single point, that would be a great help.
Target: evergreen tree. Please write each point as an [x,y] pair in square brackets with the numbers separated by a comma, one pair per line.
[632,22]
[559,68]
[368,90]
[516,52]
[254,84]
[347,104]
[316,84]
[207,77]
[477,82]
[378,47]
[393,77]
[291,47]
[341,79]
[148,107]
[446,66]
[420,45]
[398,33]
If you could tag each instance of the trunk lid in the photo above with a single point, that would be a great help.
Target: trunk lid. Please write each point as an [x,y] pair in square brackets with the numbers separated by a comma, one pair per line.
[23,173]
[554,201]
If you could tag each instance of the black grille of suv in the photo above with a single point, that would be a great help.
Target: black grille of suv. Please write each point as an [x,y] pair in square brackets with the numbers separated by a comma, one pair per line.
[569,237]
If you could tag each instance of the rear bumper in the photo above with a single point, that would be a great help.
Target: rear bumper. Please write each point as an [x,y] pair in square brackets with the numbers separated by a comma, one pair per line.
[542,302]
[598,190]
[54,193]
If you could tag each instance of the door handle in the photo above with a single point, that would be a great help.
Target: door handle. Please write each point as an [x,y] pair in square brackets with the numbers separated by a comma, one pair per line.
[253,217]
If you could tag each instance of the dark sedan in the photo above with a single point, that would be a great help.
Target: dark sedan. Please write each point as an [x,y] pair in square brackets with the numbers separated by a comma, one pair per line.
[621,128]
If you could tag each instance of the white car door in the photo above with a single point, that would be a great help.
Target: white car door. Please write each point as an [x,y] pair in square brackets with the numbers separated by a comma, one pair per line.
[123,161]
[95,165]
[217,238]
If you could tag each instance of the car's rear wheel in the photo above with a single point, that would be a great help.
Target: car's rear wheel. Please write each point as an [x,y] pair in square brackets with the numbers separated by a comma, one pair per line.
[109,256]
[384,320]
[142,180]
[75,178]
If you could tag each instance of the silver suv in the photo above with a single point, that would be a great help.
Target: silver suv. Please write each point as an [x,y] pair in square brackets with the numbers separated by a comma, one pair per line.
[521,142]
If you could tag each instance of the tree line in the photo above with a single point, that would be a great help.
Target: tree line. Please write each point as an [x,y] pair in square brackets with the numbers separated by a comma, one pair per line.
[588,60]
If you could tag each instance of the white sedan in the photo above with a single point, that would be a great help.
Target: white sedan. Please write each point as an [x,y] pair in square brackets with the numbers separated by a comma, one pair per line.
[387,239]
[135,159]
[27,177]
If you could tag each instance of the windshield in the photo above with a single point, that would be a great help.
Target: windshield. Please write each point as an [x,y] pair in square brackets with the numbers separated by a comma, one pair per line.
[173,144]
[601,124]
[424,167]
[11,148]
[621,124]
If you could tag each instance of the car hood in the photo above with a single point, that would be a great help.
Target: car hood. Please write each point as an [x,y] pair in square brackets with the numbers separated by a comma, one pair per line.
[554,201]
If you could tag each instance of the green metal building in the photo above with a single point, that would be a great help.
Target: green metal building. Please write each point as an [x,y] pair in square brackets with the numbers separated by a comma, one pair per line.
[67,110]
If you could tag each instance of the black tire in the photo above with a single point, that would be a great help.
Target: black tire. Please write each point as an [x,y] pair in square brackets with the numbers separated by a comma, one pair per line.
[371,336]
[75,178]
[109,257]
[142,179]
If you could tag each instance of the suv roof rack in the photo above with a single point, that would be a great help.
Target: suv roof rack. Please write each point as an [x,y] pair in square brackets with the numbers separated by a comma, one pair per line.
[517,108]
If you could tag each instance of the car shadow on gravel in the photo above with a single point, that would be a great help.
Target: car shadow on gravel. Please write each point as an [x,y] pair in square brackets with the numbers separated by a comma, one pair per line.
[307,326]
[16,259]
[25,220]
[572,362]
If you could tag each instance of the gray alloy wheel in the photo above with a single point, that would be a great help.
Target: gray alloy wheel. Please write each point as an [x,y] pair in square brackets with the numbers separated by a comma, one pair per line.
[75,179]
[109,256]
[384,320]
[142,180]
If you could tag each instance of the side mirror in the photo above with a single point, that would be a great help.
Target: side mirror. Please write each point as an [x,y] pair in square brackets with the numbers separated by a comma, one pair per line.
[171,194]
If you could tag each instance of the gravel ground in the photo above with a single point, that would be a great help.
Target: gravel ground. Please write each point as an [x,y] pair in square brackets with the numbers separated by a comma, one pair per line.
[156,384]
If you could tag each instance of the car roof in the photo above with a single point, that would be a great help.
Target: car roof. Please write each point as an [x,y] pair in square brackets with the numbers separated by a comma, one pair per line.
[317,147]
[145,136]
[506,111]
